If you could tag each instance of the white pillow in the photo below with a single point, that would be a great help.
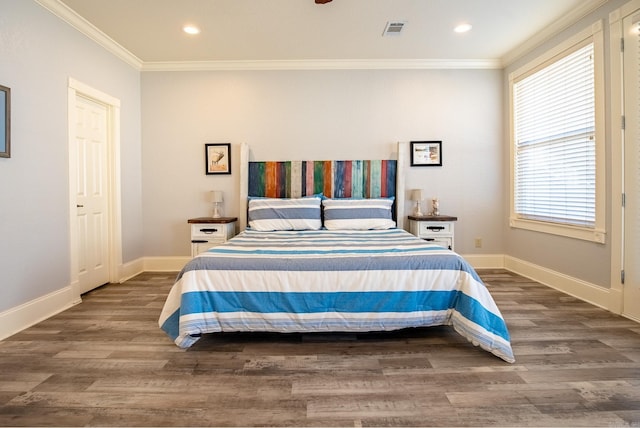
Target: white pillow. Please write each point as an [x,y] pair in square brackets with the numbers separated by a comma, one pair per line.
[270,214]
[358,214]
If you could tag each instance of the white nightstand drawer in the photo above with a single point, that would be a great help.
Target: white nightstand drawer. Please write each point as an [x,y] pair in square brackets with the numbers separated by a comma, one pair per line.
[444,242]
[208,231]
[431,227]
[201,247]
[436,229]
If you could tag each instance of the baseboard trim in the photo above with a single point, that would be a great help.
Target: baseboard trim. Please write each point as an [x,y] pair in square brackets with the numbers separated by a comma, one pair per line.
[31,313]
[164,264]
[631,318]
[605,298]
[131,269]
[485,261]
[151,264]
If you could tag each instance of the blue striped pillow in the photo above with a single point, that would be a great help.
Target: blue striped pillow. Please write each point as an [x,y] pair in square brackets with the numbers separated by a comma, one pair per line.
[270,214]
[358,214]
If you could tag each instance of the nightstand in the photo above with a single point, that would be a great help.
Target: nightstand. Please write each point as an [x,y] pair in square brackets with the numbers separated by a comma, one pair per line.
[434,228]
[207,232]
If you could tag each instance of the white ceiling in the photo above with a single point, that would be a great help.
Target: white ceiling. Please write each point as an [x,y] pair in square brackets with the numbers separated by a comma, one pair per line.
[150,31]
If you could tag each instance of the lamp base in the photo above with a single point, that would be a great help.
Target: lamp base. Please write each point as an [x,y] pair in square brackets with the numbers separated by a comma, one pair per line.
[216,210]
[417,212]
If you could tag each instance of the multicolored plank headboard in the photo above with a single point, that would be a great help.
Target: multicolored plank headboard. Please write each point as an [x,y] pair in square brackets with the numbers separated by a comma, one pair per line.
[334,179]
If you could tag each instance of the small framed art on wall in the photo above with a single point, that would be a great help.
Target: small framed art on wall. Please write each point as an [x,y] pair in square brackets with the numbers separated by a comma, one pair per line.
[426,153]
[218,158]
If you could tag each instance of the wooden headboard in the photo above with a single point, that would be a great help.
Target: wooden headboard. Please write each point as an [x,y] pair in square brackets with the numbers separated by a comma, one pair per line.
[333,178]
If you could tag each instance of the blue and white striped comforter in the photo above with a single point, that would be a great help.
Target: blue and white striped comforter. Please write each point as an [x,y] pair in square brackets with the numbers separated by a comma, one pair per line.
[321,281]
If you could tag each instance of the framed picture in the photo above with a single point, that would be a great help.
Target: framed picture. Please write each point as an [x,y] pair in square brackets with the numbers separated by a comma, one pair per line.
[218,157]
[5,122]
[426,153]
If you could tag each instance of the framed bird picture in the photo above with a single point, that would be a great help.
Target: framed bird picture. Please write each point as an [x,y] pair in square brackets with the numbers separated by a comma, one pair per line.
[218,158]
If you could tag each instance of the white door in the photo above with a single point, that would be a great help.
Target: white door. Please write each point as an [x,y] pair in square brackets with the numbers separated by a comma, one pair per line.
[92,193]
[631,70]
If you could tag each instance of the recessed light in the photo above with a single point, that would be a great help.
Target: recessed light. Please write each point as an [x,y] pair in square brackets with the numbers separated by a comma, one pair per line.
[191,29]
[462,28]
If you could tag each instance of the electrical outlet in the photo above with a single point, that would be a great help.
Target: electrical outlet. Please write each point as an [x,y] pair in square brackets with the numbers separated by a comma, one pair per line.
[478,242]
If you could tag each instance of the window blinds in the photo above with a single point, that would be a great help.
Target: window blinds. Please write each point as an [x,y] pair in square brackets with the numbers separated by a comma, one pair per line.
[555,147]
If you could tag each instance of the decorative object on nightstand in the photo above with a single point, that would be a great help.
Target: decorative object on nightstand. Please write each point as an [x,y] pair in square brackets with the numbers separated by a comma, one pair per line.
[434,228]
[216,198]
[207,232]
[416,195]
[435,206]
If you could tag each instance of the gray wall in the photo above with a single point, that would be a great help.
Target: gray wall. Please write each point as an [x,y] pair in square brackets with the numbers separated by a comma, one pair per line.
[38,54]
[306,115]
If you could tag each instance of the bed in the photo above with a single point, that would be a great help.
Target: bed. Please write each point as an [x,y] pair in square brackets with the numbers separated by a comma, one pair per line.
[313,261]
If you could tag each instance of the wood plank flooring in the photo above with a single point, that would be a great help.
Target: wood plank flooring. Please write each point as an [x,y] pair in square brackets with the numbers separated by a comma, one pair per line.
[105,362]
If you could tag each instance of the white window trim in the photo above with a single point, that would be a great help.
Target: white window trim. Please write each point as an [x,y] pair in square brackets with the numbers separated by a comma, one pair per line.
[598,232]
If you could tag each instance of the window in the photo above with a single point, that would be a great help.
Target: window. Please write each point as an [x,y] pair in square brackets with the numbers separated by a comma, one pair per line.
[558,140]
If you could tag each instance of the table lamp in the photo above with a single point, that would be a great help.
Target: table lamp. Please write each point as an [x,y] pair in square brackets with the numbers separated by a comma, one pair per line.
[216,198]
[416,195]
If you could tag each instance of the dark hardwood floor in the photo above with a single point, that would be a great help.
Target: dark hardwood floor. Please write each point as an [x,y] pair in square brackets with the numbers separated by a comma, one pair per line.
[105,362]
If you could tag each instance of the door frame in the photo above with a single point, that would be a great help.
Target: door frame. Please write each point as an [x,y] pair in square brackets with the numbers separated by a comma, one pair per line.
[114,211]
[617,138]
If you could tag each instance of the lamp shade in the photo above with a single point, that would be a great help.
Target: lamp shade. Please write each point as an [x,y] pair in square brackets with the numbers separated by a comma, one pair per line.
[216,196]
[416,195]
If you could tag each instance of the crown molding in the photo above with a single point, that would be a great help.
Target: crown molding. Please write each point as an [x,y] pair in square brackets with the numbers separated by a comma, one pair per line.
[63,12]
[335,64]
[579,12]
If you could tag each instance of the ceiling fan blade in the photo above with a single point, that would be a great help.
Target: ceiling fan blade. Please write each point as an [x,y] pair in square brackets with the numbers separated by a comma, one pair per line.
[322,1]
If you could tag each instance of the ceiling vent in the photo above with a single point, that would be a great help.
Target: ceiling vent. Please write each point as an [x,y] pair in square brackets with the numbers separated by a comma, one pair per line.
[393,28]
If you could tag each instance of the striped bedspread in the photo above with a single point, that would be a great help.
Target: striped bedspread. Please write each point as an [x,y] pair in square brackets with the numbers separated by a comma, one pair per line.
[321,281]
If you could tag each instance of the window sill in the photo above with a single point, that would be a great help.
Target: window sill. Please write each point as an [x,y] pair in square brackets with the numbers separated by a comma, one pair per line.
[586,234]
